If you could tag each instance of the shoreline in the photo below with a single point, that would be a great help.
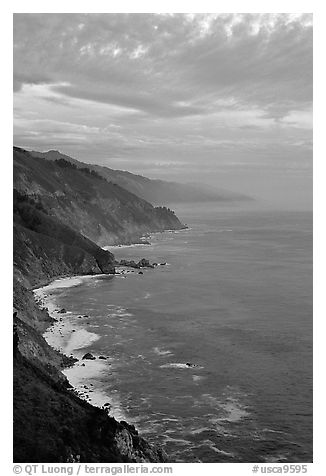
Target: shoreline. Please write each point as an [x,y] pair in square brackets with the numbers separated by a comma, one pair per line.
[66,335]
[146,241]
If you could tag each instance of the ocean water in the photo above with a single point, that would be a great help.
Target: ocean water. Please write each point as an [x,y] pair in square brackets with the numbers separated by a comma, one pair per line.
[235,301]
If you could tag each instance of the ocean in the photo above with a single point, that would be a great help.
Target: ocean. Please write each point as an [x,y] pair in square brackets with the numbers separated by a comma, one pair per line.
[210,354]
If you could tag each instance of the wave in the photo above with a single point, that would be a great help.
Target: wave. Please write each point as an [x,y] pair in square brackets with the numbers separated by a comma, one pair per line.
[197,378]
[82,375]
[231,410]
[134,245]
[66,282]
[177,365]
[159,351]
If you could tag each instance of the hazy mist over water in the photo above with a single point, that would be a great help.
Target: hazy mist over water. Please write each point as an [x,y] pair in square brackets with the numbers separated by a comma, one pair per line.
[235,301]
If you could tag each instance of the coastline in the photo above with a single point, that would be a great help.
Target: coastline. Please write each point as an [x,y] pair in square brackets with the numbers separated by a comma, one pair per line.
[67,335]
[145,242]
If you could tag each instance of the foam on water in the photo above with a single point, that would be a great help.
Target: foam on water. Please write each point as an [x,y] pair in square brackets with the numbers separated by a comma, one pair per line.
[178,365]
[162,352]
[80,339]
[84,378]
[66,282]
[197,378]
[230,409]
[115,247]
[69,336]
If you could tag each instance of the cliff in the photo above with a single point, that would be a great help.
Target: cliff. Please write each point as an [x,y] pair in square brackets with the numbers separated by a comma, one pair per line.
[84,200]
[55,211]
[44,247]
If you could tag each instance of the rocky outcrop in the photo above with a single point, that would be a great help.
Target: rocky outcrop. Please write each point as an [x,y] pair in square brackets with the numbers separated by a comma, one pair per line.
[135,448]
[88,356]
[143,263]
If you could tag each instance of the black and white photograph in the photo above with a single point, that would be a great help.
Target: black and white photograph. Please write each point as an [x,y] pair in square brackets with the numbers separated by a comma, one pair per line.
[162,240]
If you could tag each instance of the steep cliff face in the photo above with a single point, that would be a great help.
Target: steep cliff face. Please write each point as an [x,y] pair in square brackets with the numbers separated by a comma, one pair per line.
[44,247]
[82,199]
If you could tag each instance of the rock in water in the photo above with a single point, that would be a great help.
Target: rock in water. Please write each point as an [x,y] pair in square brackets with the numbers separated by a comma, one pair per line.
[88,356]
[143,263]
[189,364]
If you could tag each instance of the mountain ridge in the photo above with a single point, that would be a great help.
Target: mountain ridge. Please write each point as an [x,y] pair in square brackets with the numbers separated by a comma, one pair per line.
[79,197]
[155,191]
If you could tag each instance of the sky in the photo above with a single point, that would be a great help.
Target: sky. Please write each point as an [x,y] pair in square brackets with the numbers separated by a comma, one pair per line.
[220,99]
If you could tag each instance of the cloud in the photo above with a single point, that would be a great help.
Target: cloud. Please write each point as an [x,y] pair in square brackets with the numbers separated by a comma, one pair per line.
[299,119]
[152,63]
[143,101]
[205,92]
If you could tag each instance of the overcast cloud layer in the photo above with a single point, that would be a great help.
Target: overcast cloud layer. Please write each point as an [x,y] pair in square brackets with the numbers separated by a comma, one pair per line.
[223,99]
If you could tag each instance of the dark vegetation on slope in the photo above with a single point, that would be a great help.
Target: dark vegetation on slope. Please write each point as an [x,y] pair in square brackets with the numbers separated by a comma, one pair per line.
[100,210]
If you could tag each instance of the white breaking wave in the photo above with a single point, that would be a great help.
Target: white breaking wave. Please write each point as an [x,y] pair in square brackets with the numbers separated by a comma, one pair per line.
[159,351]
[176,365]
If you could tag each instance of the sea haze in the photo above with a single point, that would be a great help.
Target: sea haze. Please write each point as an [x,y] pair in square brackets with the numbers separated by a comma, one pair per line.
[234,300]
